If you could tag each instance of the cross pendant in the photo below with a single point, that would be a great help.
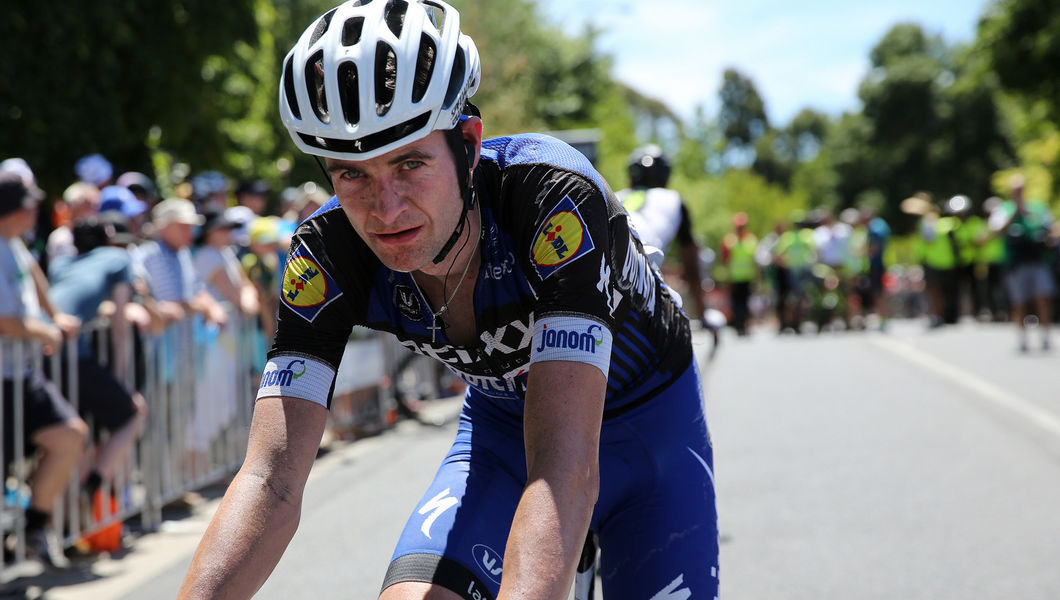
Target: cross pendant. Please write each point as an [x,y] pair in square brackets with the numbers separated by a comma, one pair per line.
[434,327]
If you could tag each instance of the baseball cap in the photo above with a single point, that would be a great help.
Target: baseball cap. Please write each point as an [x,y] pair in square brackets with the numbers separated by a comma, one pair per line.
[20,167]
[120,199]
[175,210]
[252,186]
[138,183]
[94,169]
[264,230]
[16,195]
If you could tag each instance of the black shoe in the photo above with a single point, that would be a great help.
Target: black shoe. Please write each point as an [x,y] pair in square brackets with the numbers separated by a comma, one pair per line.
[43,545]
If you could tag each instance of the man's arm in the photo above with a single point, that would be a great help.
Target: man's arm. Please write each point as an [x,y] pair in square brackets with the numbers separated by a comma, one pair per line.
[260,511]
[561,428]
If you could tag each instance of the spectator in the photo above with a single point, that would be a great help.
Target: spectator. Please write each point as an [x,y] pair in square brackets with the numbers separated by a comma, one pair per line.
[310,197]
[94,169]
[165,264]
[216,265]
[50,426]
[116,198]
[210,190]
[80,285]
[990,259]
[260,263]
[79,200]
[1026,225]
[738,255]
[141,186]
[253,194]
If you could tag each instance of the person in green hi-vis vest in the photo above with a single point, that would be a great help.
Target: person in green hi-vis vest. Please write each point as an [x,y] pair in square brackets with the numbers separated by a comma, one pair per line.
[964,233]
[937,253]
[990,262]
[738,255]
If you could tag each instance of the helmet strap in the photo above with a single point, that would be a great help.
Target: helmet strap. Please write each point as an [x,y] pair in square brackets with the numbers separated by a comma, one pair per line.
[460,148]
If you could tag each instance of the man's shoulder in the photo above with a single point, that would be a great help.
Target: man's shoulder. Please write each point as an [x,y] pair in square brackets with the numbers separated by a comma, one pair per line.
[539,149]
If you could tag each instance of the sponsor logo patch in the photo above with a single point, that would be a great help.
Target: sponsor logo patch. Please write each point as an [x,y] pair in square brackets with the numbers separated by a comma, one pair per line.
[307,288]
[489,561]
[283,377]
[563,238]
[408,302]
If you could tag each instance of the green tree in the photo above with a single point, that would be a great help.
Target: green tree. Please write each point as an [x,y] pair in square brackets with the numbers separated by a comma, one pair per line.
[742,118]
[1022,40]
[110,71]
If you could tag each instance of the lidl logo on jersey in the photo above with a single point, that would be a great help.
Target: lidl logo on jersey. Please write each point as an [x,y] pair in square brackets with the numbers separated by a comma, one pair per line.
[562,239]
[307,288]
[283,377]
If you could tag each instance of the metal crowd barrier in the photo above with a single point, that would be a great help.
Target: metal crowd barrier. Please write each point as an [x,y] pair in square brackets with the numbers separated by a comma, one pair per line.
[198,383]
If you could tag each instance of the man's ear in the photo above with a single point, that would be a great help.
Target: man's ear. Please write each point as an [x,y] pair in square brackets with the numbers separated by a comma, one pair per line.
[472,132]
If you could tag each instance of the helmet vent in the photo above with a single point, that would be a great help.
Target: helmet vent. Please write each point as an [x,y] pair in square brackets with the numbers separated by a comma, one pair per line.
[348,96]
[288,88]
[322,26]
[424,67]
[386,80]
[436,14]
[456,79]
[351,31]
[394,15]
[314,79]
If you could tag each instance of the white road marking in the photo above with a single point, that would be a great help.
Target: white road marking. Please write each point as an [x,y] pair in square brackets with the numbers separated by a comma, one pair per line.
[973,383]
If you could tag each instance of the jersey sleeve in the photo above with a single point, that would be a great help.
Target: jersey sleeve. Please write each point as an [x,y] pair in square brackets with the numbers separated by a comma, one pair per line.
[566,232]
[314,322]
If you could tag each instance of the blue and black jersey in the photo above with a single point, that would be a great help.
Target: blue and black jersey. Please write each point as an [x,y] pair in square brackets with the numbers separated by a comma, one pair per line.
[562,278]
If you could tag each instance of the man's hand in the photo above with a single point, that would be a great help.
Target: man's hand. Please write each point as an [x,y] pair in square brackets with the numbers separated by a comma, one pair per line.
[69,324]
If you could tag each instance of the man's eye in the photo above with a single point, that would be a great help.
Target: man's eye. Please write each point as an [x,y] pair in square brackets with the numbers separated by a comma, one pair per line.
[410,165]
[350,174]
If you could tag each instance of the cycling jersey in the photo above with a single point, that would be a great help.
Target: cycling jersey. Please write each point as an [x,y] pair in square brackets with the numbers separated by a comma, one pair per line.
[562,278]
[657,215]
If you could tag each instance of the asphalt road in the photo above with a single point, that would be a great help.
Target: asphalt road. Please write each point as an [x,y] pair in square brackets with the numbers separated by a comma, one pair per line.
[914,464]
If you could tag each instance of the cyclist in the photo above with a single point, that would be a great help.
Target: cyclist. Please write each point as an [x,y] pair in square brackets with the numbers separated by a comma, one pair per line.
[658,216]
[510,261]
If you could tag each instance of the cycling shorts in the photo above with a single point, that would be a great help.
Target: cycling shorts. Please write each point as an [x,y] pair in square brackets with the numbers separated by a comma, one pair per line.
[655,517]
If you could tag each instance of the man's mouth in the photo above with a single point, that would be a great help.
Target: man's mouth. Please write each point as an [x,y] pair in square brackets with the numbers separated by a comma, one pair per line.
[398,237]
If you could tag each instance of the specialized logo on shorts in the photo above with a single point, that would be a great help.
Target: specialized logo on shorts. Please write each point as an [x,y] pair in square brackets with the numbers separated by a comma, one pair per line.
[283,377]
[586,341]
[674,591]
[435,506]
[562,238]
[307,288]
[489,561]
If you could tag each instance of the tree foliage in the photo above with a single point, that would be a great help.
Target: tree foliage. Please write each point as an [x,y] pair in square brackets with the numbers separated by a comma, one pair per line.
[112,70]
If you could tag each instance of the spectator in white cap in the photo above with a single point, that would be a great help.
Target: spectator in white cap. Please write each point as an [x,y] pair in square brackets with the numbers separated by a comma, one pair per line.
[165,264]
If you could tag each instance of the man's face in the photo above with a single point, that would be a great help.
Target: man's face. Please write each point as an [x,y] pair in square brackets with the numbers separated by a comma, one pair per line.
[177,235]
[403,204]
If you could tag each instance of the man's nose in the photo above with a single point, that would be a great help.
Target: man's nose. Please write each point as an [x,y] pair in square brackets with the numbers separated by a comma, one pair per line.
[389,200]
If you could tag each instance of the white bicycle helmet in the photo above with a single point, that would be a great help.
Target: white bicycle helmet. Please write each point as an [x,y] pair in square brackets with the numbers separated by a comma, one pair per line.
[372,75]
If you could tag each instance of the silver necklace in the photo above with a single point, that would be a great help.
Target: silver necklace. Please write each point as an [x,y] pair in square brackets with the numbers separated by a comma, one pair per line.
[434,327]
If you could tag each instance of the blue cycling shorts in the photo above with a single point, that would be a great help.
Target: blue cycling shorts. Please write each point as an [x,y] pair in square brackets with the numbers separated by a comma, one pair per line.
[655,517]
